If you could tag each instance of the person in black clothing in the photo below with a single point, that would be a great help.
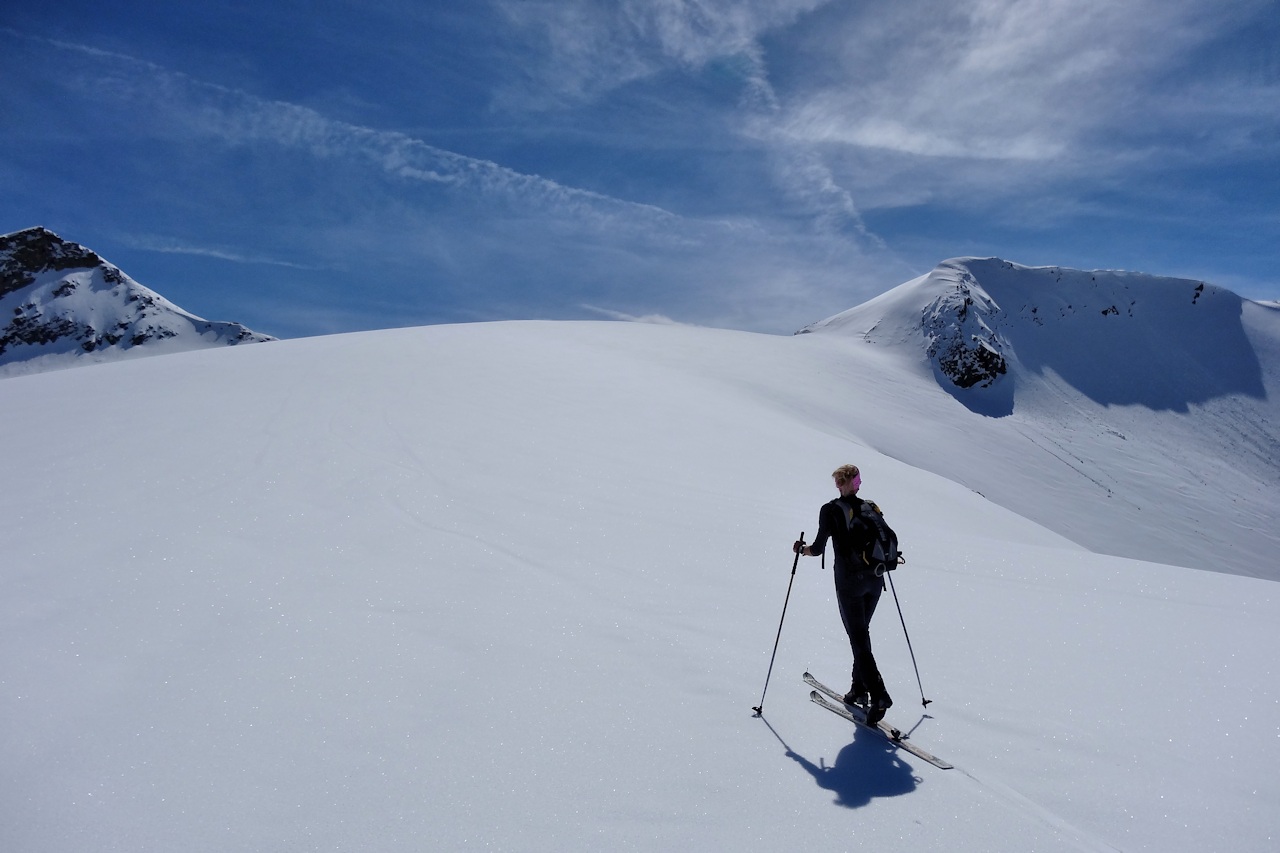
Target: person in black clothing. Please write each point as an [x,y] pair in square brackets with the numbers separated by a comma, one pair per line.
[857,587]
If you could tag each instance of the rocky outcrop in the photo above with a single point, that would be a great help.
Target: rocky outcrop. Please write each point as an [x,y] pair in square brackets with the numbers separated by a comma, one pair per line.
[960,330]
[26,254]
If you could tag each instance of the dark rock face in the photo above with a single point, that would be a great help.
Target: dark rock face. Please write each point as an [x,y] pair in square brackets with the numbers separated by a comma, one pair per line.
[961,337]
[26,254]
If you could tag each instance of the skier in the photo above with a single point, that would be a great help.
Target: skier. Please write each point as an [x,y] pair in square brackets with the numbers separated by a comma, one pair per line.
[857,587]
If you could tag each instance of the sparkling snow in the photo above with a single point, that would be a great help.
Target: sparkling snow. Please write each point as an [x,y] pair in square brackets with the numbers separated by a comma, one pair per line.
[514,586]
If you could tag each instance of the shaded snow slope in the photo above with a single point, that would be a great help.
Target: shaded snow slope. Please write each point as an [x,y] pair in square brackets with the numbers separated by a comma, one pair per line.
[1158,396]
[62,305]
[514,587]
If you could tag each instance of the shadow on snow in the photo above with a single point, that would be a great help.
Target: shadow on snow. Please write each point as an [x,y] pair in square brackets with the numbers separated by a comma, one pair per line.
[867,768]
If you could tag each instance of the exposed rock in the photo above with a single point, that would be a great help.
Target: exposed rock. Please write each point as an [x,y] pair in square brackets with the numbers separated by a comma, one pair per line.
[959,327]
[26,254]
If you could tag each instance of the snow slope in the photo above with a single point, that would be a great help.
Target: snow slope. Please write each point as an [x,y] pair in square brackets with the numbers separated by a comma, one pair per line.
[1157,397]
[514,587]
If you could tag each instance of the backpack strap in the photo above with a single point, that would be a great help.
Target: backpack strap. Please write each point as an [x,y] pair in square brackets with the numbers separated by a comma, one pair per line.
[849,515]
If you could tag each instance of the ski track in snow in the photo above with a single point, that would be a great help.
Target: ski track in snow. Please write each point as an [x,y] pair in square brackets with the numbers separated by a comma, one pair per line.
[1077,837]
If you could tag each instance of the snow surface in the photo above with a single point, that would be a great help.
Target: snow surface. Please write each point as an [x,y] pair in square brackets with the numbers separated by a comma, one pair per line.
[514,586]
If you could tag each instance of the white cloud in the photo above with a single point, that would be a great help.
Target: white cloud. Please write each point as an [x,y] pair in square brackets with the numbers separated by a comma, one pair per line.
[996,79]
[917,102]
[589,48]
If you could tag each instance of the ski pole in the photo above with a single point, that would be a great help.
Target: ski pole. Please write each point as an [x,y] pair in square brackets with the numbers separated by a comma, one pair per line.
[759,709]
[923,701]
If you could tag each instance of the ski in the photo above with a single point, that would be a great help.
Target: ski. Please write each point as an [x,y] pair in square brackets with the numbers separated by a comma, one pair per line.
[854,714]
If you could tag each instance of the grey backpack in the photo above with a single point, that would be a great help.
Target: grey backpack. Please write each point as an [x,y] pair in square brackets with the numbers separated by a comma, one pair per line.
[879,551]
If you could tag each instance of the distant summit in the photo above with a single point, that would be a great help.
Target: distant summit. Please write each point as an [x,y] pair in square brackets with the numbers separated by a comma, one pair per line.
[988,326]
[62,305]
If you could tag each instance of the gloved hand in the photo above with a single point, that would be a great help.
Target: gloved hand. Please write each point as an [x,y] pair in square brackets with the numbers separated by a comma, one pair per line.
[798,547]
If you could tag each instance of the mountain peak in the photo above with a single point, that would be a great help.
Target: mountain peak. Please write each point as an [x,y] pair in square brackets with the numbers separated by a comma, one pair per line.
[987,325]
[27,253]
[61,305]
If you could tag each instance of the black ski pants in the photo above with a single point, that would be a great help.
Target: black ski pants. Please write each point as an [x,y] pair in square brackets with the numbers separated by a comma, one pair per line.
[858,593]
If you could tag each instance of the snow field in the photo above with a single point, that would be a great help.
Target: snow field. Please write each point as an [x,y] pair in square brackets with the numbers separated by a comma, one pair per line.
[514,587]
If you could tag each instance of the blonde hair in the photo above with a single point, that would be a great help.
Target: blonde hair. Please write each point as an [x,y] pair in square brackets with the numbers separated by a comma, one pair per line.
[845,473]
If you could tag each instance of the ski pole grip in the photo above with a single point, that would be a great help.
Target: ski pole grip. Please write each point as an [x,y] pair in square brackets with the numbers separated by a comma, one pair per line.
[796,561]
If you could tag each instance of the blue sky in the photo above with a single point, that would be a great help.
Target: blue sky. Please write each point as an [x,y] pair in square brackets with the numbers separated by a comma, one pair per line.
[307,168]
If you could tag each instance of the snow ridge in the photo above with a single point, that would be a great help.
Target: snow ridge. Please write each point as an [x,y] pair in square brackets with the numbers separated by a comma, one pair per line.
[1118,337]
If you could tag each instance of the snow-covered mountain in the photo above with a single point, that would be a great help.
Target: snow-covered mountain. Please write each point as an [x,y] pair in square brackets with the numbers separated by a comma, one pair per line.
[1120,338]
[1159,397]
[61,305]
[515,586]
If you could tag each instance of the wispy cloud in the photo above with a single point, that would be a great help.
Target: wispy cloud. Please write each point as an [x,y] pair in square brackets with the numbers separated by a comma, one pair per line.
[169,246]
[873,104]
[1017,80]
[590,48]
[239,118]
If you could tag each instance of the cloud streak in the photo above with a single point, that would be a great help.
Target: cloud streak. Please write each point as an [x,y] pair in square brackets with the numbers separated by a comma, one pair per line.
[238,118]
[1017,80]
[168,246]
[591,48]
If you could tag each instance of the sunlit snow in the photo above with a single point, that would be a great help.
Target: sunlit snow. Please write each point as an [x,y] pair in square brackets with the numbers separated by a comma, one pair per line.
[514,586]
